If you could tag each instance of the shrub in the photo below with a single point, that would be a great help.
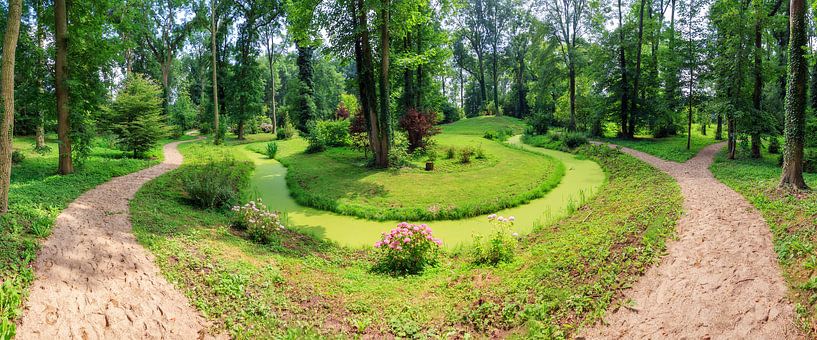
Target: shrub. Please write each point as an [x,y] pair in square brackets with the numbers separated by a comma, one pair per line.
[480,153]
[500,246]
[407,249]
[138,119]
[216,184]
[450,153]
[325,133]
[432,155]
[266,127]
[573,139]
[451,113]
[272,149]
[42,150]
[342,112]
[774,145]
[538,123]
[466,154]
[261,225]
[501,135]
[286,130]
[398,153]
[419,126]
[17,157]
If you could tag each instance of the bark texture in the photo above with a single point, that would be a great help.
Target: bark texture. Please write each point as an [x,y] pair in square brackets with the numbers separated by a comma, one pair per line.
[795,100]
[66,164]
[7,84]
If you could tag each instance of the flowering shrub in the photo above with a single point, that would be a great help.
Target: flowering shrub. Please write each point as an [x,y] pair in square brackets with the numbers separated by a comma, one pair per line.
[419,126]
[408,248]
[261,224]
[500,246]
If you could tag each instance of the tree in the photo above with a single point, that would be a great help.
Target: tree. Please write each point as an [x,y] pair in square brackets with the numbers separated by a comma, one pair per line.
[66,164]
[792,176]
[165,34]
[7,90]
[566,19]
[137,111]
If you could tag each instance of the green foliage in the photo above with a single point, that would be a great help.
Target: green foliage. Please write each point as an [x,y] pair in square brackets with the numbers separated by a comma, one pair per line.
[261,225]
[17,157]
[327,133]
[670,148]
[137,115]
[500,136]
[499,247]
[216,183]
[810,160]
[286,130]
[774,145]
[183,114]
[272,149]
[557,140]
[407,249]
[465,154]
[538,123]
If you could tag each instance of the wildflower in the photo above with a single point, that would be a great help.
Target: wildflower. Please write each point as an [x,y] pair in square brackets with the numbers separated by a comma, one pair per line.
[406,240]
[515,234]
[492,216]
[511,218]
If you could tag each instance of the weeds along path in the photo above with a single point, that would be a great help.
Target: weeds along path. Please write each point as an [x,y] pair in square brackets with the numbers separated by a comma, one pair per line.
[720,278]
[95,281]
[581,181]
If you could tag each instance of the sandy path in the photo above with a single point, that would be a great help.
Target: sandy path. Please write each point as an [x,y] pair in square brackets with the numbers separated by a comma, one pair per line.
[94,281]
[720,278]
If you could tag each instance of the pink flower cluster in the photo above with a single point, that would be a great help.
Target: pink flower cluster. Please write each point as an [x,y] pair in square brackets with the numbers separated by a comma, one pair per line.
[501,219]
[256,215]
[403,235]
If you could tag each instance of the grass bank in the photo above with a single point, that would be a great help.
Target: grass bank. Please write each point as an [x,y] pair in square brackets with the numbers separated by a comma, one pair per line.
[564,275]
[672,148]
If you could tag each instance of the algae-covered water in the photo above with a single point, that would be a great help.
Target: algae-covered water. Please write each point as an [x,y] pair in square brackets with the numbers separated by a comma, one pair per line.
[581,181]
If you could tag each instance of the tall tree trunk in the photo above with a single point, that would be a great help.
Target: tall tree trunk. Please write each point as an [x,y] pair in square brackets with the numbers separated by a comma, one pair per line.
[213,50]
[572,84]
[483,92]
[271,59]
[792,176]
[462,90]
[66,164]
[622,64]
[496,81]
[758,86]
[7,90]
[384,118]
[39,139]
[719,128]
[365,81]
[636,98]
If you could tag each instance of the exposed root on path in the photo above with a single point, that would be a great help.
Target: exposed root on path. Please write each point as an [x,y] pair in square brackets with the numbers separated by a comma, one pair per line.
[94,281]
[721,277]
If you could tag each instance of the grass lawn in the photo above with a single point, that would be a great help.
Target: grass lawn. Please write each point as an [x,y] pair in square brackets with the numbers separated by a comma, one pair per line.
[37,195]
[564,274]
[673,148]
[479,125]
[339,179]
[792,219]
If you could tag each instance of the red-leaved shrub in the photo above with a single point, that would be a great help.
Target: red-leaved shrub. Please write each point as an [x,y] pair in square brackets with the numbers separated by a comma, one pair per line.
[419,126]
[342,112]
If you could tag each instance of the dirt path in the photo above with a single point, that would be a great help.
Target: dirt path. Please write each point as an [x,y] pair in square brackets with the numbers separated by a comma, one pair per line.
[95,281]
[720,278]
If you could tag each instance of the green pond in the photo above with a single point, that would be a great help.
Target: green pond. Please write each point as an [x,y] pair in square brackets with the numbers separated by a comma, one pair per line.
[581,181]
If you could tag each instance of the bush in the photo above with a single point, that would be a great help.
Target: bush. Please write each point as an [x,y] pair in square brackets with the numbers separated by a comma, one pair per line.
[342,112]
[261,225]
[138,119]
[272,149]
[216,184]
[266,127]
[538,123]
[774,145]
[407,249]
[665,130]
[499,247]
[480,153]
[501,135]
[450,153]
[286,130]
[574,139]
[17,157]
[466,154]
[398,152]
[419,126]
[325,133]
[451,113]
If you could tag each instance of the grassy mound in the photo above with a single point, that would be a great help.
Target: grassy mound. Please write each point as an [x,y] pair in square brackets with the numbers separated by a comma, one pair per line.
[340,181]
[792,219]
[564,274]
